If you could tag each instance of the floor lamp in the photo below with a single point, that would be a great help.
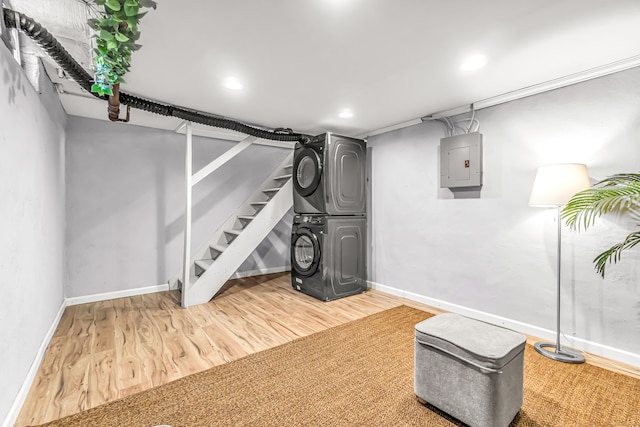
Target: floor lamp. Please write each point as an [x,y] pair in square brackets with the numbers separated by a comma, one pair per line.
[553,187]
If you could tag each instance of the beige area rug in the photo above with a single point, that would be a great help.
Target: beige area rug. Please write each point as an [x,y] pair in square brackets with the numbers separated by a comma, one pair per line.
[358,374]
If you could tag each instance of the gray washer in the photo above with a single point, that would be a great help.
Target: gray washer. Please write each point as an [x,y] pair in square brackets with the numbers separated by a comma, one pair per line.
[328,255]
[329,176]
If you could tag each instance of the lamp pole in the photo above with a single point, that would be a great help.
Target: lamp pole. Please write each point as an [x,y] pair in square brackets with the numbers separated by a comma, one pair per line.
[561,355]
[558,276]
[553,187]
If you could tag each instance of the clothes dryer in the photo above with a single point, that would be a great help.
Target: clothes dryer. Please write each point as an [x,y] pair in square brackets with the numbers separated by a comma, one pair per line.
[329,176]
[328,255]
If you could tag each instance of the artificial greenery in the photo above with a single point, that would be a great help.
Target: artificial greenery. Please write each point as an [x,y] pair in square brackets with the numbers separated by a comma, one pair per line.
[117,33]
[618,194]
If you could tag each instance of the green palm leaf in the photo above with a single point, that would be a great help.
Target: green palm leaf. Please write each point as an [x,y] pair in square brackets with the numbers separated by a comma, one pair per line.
[613,254]
[617,194]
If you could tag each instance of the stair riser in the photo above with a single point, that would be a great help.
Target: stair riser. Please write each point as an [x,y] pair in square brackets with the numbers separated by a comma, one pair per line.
[199,271]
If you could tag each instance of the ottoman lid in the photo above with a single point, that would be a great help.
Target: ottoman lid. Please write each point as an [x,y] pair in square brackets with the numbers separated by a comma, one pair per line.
[478,343]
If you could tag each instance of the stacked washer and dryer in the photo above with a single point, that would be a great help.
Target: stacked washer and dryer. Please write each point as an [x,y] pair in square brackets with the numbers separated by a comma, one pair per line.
[328,238]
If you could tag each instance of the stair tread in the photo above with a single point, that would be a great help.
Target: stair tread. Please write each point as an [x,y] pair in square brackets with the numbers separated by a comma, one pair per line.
[271,190]
[218,247]
[259,203]
[246,216]
[287,176]
[235,232]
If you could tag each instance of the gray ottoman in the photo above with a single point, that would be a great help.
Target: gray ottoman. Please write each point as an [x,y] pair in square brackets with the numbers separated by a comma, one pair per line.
[469,369]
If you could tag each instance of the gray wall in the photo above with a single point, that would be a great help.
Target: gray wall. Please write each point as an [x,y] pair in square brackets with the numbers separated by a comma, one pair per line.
[494,253]
[31,222]
[125,204]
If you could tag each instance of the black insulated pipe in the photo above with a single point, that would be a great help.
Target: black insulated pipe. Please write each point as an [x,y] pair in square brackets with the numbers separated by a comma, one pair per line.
[58,53]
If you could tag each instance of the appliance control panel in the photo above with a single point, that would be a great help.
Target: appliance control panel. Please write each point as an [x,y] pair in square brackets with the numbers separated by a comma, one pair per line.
[313,220]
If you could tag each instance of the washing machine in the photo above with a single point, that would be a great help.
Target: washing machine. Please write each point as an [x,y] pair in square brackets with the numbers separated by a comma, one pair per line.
[329,176]
[328,255]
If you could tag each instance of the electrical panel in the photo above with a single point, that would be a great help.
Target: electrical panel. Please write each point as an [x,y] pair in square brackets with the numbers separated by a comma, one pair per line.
[461,161]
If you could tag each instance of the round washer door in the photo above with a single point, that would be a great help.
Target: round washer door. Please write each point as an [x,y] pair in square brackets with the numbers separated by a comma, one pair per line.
[305,252]
[307,171]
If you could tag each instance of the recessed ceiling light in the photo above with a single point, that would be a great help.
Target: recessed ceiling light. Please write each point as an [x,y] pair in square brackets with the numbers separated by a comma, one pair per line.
[232,84]
[345,114]
[473,63]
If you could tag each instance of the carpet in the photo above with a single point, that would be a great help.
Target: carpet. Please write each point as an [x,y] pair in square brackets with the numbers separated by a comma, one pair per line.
[358,374]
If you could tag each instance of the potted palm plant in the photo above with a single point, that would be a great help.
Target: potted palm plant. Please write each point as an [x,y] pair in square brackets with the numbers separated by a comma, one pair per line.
[618,194]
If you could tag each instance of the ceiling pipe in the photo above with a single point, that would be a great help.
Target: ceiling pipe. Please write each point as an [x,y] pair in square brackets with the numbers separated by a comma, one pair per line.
[582,76]
[59,54]
[571,79]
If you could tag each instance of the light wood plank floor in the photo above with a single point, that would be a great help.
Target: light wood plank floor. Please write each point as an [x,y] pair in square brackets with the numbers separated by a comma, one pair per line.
[107,350]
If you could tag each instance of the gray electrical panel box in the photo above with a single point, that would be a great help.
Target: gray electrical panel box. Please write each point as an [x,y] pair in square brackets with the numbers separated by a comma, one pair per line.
[461,161]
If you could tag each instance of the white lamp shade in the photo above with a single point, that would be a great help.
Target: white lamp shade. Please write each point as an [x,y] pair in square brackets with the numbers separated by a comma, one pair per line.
[556,184]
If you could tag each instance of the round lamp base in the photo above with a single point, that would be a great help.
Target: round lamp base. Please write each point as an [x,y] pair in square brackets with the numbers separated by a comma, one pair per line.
[562,355]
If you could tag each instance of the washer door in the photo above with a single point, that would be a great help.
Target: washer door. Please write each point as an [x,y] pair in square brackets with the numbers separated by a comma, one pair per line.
[305,252]
[307,171]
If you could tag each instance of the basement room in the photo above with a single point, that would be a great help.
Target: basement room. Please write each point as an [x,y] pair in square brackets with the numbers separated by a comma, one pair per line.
[320,213]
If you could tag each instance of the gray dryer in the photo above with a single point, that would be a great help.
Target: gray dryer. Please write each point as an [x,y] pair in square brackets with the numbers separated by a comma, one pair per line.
[328,255]
[329,176]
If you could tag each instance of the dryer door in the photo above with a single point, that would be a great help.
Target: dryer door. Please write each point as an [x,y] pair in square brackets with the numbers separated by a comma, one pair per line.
[305,252]
[307,171]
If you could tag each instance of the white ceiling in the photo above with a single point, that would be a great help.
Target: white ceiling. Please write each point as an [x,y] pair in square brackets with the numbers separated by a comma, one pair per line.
[303,61]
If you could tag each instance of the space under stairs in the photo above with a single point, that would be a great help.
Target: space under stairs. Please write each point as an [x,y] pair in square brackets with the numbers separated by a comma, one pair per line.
[214,263]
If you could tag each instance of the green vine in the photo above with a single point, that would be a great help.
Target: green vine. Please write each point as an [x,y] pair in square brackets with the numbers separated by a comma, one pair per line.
[117,34]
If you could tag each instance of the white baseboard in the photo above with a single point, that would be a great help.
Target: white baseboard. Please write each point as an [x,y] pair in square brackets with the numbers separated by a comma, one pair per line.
[525,328]
[117,294]
[14,411]
[163,287]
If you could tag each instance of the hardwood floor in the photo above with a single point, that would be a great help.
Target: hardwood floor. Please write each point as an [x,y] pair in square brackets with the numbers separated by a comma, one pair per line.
[103,351]
[107,350]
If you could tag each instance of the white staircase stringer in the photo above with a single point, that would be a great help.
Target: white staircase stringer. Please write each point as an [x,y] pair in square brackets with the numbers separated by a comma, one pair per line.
[205,287]
[246,212]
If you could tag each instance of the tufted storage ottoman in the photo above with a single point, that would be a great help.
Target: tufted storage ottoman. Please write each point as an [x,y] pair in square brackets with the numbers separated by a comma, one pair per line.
[469,369]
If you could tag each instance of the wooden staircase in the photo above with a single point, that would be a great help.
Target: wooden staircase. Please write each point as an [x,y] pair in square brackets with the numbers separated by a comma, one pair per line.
[216,261]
